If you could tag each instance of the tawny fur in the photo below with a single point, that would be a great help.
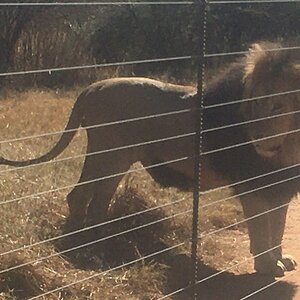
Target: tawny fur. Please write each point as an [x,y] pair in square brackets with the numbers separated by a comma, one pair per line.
[143,112]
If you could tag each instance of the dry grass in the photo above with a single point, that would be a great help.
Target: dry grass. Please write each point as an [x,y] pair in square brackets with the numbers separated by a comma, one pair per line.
[43,216]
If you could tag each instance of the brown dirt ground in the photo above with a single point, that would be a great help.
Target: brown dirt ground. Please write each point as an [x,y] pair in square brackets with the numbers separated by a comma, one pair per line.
[292,242]
[236,284]
[287,288]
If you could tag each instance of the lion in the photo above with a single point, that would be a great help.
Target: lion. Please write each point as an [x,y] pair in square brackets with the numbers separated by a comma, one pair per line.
[252,143]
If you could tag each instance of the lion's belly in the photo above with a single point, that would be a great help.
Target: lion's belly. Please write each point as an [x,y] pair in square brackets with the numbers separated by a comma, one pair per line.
[177,168]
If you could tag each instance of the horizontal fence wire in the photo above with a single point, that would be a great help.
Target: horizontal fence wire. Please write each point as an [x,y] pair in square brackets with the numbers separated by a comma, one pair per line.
[142,61]
[250,142]
[102,65]
[94,180]
[217,105]
[238,53]
[100,125]
[166,114]
[250,179]
[110,270]
[121,3]
[212,2]
[50,70]
[151,223]
[159,207]
[146,167]
[269,285]
[251,121]
[242,221]
[175,292]
[252,190]
[96,241]
[148,142]
[238,263]
[97,3]
[138,144]
[144,226]
[220,272]
[100,152]
[217,273]
[109,222]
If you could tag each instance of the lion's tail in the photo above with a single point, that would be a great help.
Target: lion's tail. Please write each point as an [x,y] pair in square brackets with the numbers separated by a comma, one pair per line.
[65,139]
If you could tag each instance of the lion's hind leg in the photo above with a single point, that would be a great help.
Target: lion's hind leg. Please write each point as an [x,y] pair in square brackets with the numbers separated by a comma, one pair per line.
[98,207]
[79,198]
[111,169]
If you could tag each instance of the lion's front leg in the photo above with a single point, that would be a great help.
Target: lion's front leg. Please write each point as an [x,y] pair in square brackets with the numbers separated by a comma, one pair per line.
[261,236]
[278,220]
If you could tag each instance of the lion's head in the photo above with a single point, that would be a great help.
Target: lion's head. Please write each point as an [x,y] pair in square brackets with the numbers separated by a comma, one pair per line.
[275,73]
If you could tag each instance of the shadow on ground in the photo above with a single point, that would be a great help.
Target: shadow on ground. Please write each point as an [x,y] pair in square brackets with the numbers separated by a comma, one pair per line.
[223,286]
[105,253]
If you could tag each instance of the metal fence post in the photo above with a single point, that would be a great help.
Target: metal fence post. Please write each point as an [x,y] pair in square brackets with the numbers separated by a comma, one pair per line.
[200,48]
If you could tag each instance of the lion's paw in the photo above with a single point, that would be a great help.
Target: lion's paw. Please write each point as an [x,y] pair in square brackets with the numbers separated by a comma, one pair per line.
[285,264]
[280,269]
[289,262]
[274,269]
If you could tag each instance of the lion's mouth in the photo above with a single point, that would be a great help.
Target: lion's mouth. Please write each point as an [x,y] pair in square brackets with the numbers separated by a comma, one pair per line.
[267,152]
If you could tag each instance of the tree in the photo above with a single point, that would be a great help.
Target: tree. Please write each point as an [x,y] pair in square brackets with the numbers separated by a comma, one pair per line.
[12,21]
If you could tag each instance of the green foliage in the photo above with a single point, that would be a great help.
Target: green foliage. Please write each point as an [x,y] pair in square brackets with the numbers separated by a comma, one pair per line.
[50,37]
[139,33]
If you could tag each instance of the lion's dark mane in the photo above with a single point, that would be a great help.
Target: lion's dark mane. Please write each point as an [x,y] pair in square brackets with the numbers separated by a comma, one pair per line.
[243,162]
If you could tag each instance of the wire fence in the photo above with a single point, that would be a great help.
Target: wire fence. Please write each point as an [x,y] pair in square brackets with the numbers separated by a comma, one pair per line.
[254,185]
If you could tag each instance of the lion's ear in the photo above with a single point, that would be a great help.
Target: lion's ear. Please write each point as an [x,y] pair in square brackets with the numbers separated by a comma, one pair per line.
[253,54]
[255,48]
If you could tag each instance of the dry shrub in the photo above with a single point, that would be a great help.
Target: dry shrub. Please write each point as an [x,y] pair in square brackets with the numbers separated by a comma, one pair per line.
[140,241]
[21,283]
